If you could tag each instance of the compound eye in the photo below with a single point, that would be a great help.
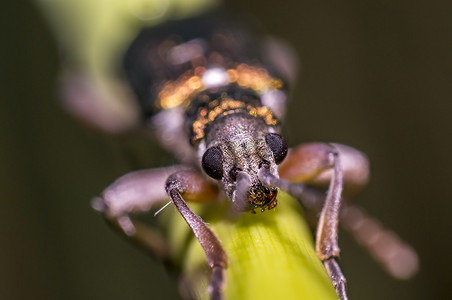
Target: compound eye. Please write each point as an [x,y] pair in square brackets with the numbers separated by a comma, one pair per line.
[212,162]
[277,145]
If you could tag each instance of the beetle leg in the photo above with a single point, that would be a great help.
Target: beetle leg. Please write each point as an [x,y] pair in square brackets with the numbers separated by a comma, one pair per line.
[397,257]
[186,184]
[309,163]
[133,193]
[316,159]
[305,169]
[327,246]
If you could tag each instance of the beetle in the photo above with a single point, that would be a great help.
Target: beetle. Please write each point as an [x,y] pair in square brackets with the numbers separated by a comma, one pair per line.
[214,93]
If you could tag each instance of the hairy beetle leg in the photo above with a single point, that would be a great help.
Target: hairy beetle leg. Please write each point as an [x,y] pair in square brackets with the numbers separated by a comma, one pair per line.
[304,164]
[336,276]
[327,246]
[132,193]
[317,158]
[190,185]
[137,191]
[398,258]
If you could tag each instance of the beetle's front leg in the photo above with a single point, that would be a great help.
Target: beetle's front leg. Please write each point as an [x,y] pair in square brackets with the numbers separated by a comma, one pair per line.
[136,192]
[191,186]
[327,247]
[305,169]
[319,164]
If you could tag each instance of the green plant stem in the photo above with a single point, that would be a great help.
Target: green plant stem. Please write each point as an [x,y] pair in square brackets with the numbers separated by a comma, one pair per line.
[271,254]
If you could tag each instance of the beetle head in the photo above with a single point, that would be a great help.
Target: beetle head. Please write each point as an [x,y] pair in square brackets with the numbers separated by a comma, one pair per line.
[235,155]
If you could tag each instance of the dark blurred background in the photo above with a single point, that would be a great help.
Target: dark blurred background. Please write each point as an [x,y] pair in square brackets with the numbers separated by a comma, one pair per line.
[375,75]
